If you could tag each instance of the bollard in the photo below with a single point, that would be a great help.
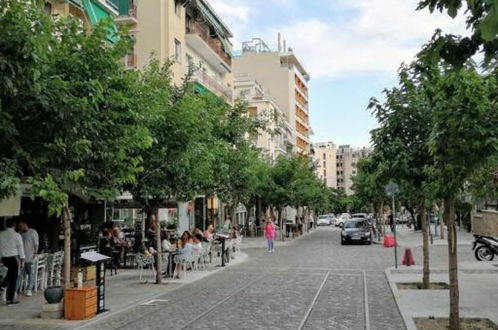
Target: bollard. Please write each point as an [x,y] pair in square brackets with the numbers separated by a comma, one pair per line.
[408,259]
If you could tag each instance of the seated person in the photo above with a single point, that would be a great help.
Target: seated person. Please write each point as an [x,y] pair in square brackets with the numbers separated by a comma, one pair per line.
[165,243]
[198,234]
[208,234]
[186,246]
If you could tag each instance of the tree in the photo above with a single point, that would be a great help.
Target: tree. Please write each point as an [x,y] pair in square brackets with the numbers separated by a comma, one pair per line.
[463,137]
[369,183]
[401,142]
[481,18]
[178,164]
[70,124]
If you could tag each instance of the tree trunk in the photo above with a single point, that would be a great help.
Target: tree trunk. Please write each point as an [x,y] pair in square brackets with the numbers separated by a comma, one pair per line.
[154,219]
[449,216]
[381,219]
[425,241]
[67,245]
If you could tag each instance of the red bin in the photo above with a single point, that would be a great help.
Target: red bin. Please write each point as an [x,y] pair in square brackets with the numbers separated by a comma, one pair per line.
[389,240]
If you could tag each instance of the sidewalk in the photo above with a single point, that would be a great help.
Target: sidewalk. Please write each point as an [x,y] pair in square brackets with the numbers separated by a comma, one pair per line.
[123,291]
[409,238]
[477,282]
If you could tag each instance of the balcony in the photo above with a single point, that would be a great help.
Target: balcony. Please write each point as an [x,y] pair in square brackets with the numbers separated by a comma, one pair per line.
[127,13]
[213,85]
[209,48]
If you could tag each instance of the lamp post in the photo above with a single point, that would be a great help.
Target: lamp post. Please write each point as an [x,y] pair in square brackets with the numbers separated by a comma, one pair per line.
[392,189]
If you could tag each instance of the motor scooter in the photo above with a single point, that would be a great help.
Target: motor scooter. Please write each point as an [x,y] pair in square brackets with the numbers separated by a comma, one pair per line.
[485,247]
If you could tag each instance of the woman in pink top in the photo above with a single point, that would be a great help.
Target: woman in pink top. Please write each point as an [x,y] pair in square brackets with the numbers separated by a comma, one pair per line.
[270,230]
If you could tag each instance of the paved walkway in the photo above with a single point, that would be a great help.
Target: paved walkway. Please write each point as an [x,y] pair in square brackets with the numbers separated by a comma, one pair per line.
[123,291]
[311,283]
[410,238]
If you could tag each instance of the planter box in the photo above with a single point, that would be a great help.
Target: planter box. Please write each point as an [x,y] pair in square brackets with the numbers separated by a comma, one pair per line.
[80,304]
[485,222]
[89,273]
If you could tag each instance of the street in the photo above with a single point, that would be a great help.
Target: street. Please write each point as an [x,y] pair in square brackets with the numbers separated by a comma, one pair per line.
[314,283]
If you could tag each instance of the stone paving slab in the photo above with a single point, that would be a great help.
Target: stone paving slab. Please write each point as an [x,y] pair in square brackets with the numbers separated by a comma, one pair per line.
[477,299]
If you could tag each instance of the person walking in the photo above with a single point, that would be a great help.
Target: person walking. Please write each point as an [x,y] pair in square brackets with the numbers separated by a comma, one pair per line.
[30,242]
[12,254]
[270,231]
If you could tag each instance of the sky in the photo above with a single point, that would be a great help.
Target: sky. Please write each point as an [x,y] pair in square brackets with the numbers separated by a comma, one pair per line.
[351,48]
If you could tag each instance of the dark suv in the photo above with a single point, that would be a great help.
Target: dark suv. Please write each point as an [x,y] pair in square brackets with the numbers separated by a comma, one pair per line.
[356,230]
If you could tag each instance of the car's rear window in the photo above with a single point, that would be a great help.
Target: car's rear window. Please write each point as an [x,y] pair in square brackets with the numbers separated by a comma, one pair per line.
[354,224]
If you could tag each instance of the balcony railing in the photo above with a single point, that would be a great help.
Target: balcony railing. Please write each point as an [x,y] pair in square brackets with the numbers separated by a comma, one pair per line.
[213,43]
[213,84]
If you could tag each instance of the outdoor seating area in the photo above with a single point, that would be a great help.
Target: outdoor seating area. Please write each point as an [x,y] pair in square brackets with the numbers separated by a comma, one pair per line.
[47,272]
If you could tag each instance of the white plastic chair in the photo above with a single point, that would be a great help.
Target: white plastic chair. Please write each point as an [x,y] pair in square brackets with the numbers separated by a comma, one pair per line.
[185,260]
[237,243]
[54,272]
[145,262]
[40,272]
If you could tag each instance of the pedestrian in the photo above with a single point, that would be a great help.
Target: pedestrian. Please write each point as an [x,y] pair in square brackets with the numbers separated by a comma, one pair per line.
[12,254]
[269,232]
[391,222]
[30,242]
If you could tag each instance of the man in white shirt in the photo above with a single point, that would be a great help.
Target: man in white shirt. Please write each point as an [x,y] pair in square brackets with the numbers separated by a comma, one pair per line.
[30,243]
[12,254]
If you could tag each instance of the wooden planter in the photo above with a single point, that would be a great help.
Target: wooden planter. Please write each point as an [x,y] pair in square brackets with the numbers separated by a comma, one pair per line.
[89,273]
[80,303]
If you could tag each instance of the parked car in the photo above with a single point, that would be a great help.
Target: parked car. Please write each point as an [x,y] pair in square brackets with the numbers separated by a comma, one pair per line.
[333,219]
[356,230]
[342,219]
[359,215]
[323,220]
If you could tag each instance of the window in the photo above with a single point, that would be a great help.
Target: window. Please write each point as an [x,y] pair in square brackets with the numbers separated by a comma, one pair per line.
[324,164]
[324,156]
[324,173]
[178,50]
[48,8]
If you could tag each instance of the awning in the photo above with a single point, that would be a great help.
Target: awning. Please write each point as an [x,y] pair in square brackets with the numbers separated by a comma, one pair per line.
[219,28]
[96,13]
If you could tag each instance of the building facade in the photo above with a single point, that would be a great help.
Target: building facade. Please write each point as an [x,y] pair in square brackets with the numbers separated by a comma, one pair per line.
[326,163]
[90,12]
[277,139]
[285,78]
[346,163]
[189,34]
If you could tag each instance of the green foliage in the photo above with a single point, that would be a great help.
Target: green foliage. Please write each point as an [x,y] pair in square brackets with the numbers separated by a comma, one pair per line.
[481,18]
[464,119]
[69,119]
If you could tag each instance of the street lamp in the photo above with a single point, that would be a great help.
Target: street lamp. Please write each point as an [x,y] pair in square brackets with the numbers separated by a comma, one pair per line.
[392,189]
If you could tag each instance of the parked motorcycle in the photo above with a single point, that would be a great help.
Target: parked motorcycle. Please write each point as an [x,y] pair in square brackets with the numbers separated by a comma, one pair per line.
[485,247]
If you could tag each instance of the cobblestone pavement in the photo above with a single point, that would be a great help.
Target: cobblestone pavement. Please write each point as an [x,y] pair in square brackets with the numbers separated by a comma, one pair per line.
[312,283]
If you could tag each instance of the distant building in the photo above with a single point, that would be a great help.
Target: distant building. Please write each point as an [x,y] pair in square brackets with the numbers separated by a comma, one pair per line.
[347,159]
[284,77]
[277,138]
[325,162]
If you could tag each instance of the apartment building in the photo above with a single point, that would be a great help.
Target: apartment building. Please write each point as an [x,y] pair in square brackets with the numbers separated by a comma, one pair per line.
[325,155]
[347,159]
[90,12]
[187,33]
[286,79]
[278,138]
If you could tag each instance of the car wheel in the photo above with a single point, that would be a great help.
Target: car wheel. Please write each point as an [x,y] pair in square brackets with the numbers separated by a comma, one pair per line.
[369,242]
